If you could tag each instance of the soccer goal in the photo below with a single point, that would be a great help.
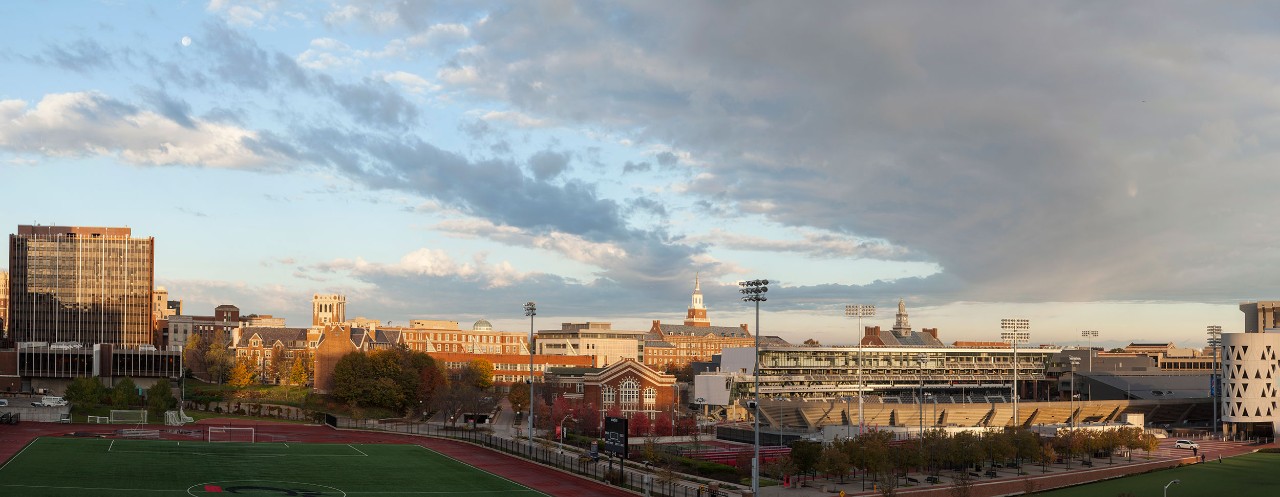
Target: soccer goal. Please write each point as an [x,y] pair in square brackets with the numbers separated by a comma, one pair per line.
[128,417]
[231,434]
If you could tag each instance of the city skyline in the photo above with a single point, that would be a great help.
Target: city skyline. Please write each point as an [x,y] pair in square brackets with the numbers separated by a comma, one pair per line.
[1106,172]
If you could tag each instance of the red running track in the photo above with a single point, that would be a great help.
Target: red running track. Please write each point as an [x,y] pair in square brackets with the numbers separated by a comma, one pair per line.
[541,478]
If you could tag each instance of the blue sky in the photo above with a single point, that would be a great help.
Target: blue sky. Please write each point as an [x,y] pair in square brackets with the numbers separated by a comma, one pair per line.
[1086,166]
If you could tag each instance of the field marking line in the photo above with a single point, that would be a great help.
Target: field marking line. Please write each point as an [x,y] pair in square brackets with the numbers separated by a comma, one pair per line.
[15,456]
[109,447]
[455,492]
[89,488]
[358,450]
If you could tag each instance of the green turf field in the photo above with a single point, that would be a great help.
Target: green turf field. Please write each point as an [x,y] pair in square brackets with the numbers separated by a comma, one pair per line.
[99,467]
[1251,474]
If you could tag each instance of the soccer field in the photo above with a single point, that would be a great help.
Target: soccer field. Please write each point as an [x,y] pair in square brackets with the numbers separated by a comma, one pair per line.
[1250,474]
[100,467]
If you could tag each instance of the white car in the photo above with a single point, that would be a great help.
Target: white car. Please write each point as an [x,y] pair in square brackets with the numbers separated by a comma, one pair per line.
[1185,444]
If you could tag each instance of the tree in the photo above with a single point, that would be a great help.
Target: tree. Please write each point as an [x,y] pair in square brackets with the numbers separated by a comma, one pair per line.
[518,396]
[125,394]
[662,425]
[160,398]
[1047,455]
[962,485]
[217,359]
[479,373]
[432,382]
[276,364]
[805,454]
[834,461]
[639,424]
[1150,443]
[193,354]
[811,343]
[84,393]
[298,368]
[242,373]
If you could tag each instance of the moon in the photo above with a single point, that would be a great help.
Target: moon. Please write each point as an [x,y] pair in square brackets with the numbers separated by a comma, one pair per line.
[186,41]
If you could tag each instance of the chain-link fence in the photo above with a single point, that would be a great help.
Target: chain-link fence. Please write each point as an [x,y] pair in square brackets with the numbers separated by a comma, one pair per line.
[628,474]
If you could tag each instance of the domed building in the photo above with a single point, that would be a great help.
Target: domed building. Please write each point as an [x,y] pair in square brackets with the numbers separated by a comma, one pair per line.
[482,325]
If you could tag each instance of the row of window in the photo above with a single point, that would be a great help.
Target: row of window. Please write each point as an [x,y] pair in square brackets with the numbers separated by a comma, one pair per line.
[628,393]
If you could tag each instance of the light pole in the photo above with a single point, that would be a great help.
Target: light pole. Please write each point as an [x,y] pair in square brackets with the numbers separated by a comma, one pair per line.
[531,310]
[1215,341]
[753,291]
[920,360]
[859,311]
[1166,486]
[1075,361]
[1090,335]
[566,416]
[1016,331]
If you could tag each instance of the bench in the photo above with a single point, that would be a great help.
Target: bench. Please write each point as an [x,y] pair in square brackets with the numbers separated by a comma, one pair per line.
[975,475]
[913,480]
[991,473]
[1086,463]
[932,479]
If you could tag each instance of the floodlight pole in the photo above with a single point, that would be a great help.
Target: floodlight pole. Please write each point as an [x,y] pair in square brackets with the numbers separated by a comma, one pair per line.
[1215,341]
[920,360]
[753,291]
[1074,362]
[1166,486]
[531,310]
[1090,334]
[1015,331]
[859,311]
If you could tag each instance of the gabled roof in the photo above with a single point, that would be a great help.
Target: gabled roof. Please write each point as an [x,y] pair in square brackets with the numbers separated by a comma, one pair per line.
[626,366]
[269,336]
[913,339]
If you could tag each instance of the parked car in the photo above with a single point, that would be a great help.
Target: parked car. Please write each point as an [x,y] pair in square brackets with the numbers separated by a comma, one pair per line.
[1185,444]
[50,401]
[4,402]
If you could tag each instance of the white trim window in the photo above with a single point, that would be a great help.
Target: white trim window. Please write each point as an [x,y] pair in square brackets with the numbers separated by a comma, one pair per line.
[607,392]
[630,391]
[650,396]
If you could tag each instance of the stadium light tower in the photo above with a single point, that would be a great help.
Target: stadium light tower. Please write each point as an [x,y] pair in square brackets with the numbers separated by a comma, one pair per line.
[753,291]
[1016,331]
[1090,335]
[1215,341]
[1075,361]
[859,311]
[531,310]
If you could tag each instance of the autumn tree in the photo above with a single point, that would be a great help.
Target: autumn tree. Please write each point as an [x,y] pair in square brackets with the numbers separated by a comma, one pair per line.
[639,424]
[217,358]
[811,343]
[193,354]
[834,461]
[518,396]
[299,369]
[277,364]
[242,372]
[479,373]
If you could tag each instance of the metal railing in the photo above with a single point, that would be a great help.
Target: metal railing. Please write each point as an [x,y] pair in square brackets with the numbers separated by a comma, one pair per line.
[626,474]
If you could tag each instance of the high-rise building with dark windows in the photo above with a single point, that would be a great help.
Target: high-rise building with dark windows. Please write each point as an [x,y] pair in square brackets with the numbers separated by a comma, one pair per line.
[80,286]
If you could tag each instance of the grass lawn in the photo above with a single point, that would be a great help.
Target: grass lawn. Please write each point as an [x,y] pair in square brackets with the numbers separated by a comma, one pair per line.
[100,467]
[1251,474]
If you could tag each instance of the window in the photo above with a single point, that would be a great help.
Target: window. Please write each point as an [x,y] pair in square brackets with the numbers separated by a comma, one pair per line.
[607,392]
[650,396]
[630,391]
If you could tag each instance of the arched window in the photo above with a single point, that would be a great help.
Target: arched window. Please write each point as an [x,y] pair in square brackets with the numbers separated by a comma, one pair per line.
[607,392]
[630,392]
[650,396]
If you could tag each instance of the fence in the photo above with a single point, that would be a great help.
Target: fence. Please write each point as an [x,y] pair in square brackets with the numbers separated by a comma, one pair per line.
[627,474]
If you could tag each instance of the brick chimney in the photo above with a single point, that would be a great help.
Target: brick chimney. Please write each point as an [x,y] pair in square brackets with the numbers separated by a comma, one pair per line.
[931,331]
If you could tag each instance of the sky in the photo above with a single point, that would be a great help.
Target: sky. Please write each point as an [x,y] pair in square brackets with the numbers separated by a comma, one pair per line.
[1084,165]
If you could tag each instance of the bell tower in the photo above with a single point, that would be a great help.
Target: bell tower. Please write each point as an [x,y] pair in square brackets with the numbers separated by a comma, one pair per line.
[328,309]
[697,315]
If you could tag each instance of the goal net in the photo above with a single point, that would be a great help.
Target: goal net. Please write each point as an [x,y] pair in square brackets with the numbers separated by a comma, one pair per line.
[231,434]
[128,417]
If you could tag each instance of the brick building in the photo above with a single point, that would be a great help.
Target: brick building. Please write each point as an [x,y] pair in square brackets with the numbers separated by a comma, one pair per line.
[258,344]
[339,339]
[669,346]
[627,385]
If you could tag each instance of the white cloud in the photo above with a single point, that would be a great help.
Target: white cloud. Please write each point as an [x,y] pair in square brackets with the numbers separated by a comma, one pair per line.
[519,119]
[432,263]
[82,124]
[411,82]
[599,254]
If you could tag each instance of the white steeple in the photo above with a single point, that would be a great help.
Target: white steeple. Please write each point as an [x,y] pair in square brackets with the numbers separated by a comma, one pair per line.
[697,293]
[697,315]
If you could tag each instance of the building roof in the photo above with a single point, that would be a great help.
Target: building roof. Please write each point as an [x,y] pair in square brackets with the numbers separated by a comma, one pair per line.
[270,336]
[698,331]
[663,344]
[912,339]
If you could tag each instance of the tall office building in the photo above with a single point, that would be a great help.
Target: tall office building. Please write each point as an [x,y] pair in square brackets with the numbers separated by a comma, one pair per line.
[87,285]
[4,304]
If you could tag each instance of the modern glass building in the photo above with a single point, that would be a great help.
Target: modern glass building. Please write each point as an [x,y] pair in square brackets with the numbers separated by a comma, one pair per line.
[74,287]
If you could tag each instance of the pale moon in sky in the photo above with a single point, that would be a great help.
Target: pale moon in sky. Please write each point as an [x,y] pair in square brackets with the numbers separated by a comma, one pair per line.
[186,41]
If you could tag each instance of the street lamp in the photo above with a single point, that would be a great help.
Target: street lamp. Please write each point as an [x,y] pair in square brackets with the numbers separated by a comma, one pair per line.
[753,291]
[920,360]
[1016,331]
[1075,361]
[531,310]
[1166,486]
[566,416]
[859,311]
[1215,341]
